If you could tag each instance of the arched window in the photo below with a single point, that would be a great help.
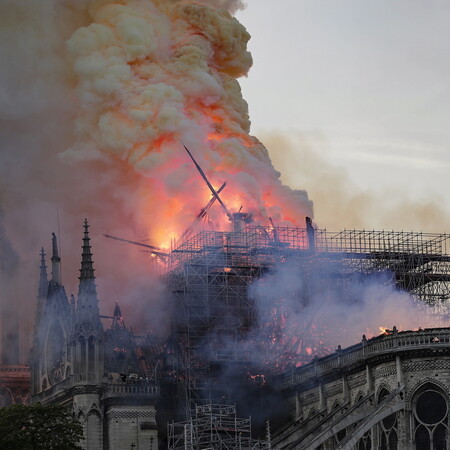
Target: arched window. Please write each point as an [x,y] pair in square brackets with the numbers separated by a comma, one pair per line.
[94,430]
[365,443]
[387,428]
[430,407]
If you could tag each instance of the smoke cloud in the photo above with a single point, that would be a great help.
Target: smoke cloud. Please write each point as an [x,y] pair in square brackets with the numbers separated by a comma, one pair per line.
[316,308]
[152,74]
[94,102]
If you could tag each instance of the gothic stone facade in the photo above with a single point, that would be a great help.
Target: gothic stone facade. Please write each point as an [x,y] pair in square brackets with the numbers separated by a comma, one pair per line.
[95,372]
[386,393]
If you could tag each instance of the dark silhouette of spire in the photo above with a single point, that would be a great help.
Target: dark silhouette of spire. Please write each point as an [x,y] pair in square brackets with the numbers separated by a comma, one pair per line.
[118,321]
[87,267]
[41,298]
[43,281]
[56,261]
[87,307]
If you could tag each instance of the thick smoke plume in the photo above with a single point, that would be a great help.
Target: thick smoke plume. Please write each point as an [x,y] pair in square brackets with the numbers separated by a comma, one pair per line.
[152,74]
[95,98]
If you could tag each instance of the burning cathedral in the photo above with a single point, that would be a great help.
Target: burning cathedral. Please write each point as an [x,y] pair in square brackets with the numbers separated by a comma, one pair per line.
[228,355]
[261,351]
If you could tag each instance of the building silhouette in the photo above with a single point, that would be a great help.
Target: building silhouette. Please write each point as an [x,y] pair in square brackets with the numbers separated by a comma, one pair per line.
[95,372]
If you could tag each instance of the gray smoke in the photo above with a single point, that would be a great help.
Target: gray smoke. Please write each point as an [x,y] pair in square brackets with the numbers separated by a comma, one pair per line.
[230,5]
[316,308]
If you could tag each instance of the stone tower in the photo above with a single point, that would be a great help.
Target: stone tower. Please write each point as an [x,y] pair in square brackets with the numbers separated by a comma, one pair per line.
[75,362]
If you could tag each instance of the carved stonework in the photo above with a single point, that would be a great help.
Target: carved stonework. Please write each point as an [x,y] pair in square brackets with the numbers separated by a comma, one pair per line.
[130,414]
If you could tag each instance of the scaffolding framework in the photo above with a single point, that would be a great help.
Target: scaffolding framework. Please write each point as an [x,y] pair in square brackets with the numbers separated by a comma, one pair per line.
[210,274]
[420,262]
[212,427]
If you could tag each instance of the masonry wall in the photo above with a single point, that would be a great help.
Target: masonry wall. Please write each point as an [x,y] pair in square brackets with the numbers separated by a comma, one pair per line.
[131,426]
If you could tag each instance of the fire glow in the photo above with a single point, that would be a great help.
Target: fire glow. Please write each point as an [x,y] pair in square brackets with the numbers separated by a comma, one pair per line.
[151,73]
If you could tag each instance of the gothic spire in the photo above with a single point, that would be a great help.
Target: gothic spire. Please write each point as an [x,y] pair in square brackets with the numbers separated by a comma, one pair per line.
[118,321]
[87,268]
[56,261]
[42,292]
[87,306]
[43,281]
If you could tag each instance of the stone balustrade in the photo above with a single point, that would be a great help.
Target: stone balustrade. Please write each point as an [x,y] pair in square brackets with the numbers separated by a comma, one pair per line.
[390,343]
[139,388]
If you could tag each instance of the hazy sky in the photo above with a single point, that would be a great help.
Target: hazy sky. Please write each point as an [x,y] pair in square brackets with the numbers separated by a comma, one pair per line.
[365,83]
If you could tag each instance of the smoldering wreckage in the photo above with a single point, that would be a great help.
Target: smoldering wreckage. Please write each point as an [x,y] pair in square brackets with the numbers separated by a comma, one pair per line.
[264,301]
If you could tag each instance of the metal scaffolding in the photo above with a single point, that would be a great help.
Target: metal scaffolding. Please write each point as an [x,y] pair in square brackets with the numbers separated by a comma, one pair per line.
[213,427]
[210,274]
[420,262]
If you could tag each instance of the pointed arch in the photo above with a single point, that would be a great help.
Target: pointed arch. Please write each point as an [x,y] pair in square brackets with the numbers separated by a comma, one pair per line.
[94,429]
[422,384]
[335,405]
[382,391]
[311,413]
[358,397]
[430,407]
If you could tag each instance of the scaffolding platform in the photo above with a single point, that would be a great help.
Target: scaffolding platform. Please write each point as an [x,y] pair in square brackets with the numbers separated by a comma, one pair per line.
[419,262]
[213,427]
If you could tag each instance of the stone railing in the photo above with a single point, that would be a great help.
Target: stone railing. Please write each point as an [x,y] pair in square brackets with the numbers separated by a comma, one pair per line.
[67,387]
[141,389]
[15,371]
[392,342]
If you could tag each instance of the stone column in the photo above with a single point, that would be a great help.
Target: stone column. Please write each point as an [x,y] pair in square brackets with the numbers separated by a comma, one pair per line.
[369,379]
[345,389]
[298,405]
[400,377]
[322,398]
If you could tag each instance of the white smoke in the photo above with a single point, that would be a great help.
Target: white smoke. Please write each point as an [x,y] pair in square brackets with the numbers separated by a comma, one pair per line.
[324,305]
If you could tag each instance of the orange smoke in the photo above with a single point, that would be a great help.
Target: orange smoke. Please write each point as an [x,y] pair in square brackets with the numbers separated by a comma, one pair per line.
[153,73]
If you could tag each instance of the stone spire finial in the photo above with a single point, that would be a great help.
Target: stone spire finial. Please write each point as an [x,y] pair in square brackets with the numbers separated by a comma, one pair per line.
[87,305]
[87,267]
[43,281]
[56,261]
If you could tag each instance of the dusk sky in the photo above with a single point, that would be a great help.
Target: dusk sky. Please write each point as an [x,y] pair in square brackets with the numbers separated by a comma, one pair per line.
[364,87]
